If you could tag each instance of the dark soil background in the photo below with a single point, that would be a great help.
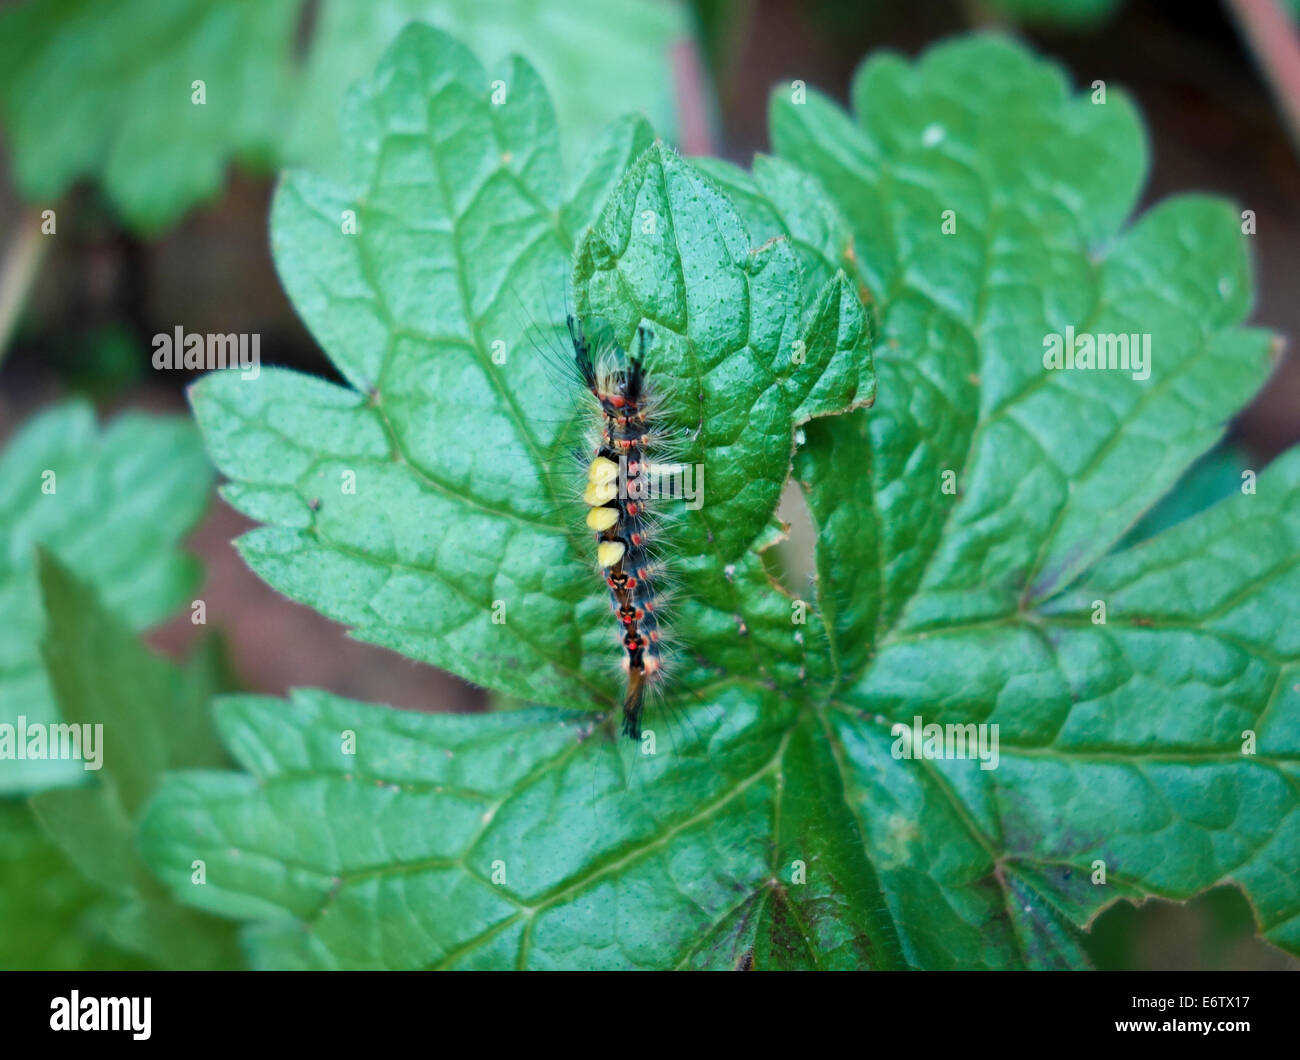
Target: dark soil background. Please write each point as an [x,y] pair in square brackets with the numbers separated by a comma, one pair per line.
[102,293]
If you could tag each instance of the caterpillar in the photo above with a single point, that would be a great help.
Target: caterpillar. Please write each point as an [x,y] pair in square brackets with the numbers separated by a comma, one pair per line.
[618,487]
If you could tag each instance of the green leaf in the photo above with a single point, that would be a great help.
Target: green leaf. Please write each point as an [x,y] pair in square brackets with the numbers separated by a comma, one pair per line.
[1083,14]
[466,230]
[775,202]
[597,58]
[108,90]
[111,504]
[154,715]
[409,309]
[1120,744]
[448,841]
[1216,475]
[89,88]
[48,908]
[1105,730]
[149,717]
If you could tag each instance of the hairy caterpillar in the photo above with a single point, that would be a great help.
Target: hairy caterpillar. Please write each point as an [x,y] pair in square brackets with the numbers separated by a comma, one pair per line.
[618,488]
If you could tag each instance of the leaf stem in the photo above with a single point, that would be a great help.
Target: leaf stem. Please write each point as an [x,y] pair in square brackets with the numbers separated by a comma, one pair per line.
[22,261]
[1272,38]
[692,98]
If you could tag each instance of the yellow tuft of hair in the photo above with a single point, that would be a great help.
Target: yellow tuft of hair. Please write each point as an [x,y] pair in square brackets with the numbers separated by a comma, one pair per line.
[602,470]
[609,552]
[597,494]
[602,518]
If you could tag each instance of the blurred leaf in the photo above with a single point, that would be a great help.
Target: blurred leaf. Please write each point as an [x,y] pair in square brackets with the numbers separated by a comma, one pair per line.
[100,364]
[1214,477]
[121,500]
[47,906]
[598,58]
[155,716]
[152,717]
[106,90]
[1214,930]
[88,88]
[1075,14]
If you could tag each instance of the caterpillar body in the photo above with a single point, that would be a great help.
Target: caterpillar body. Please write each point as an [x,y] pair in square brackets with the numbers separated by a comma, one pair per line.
[618,488]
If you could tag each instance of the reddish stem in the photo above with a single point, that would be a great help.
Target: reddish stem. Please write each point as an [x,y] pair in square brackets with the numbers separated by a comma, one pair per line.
[1271,36]
[692,98]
